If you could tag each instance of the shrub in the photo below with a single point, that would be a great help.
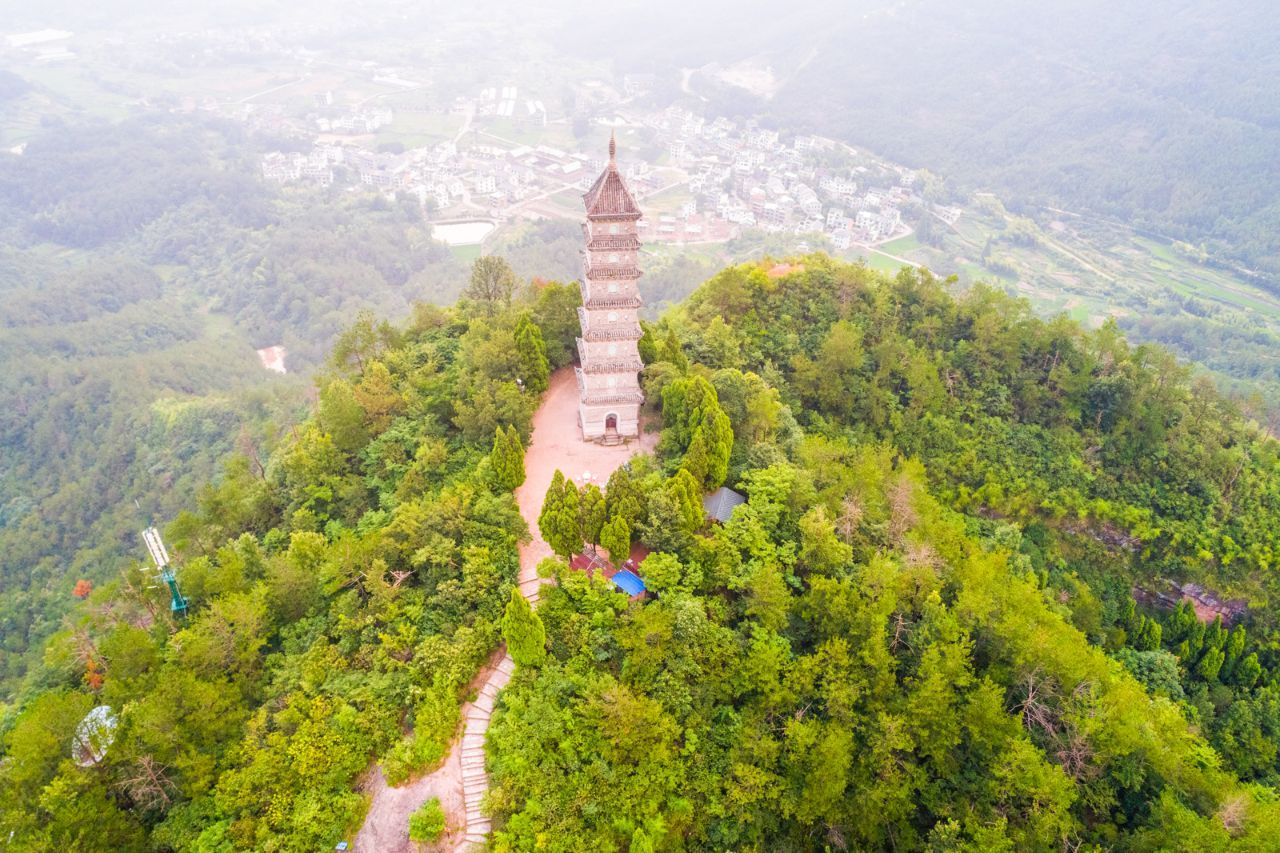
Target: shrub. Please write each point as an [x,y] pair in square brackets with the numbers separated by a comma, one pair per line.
[427,823]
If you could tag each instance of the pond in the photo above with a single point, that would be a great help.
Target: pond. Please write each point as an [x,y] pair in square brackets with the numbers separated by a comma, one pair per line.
[462,233]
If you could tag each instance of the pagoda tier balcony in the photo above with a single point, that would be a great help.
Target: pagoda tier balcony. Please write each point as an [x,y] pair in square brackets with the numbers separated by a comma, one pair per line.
[603,330]
[613,242]
[612,300]
[612,365]
[606,397]
[608,363]
[610,272]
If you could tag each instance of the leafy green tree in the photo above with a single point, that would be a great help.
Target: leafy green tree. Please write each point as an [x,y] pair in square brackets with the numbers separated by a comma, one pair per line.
[427,824]
[623,497]
[559,520]
[523,631]
[341,416]
[555,311]
[492,283]
[532,352]
[1210,664]
[615,538]
[507,458]
[648,344]
[591,513]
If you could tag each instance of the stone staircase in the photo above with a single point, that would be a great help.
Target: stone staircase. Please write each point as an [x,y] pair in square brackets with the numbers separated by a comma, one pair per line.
[475,781]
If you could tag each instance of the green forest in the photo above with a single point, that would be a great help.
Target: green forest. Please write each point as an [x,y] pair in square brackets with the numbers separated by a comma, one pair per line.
[141,264]
[918,632]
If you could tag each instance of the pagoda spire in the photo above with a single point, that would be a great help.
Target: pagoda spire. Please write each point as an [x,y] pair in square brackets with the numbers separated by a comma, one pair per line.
[613,147]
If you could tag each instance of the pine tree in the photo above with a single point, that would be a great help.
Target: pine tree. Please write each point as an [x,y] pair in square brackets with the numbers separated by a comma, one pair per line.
[569,526]
[622,498]
[507,458]
[591,513]
[524,632]
[558,522]
[1195,640]
[1234,651]
[690,406]
[1148,636]
[648,344]
[1210,664]
[688,497]
[516,447]
[1216,636]
[1248,671]
[718,434]
[615,537]
[695,459]
[532,352]
[673,352]
[551,505]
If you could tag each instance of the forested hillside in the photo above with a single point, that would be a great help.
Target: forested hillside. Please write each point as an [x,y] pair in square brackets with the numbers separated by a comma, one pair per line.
[144,262]
[343,594]
[917,632]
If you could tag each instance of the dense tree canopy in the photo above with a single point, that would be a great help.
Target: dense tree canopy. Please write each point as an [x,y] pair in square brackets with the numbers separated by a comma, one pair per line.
[918,631]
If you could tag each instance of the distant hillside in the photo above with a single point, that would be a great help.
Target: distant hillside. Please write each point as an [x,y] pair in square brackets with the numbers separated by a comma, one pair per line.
[142,264]
[1166,115]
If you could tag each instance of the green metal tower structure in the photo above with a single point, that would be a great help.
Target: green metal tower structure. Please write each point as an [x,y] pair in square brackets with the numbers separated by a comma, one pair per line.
[160,556]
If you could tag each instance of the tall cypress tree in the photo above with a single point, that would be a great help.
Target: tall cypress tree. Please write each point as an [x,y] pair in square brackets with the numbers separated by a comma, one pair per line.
[524,632]
[558,522]
[517,454]
[551,504]
[532,352]
[615,537]
[591,513]
[507,458]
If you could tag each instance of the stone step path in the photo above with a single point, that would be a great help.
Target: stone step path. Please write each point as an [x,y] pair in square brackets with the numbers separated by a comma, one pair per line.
[555,444]
[475,781]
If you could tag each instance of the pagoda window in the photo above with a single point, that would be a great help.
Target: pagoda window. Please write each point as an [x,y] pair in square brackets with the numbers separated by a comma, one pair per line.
[613,229]
[613,349]
[613,287]
[613,316]
[613,257]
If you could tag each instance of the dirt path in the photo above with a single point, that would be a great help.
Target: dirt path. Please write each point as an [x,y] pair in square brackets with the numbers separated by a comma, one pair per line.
[461,781]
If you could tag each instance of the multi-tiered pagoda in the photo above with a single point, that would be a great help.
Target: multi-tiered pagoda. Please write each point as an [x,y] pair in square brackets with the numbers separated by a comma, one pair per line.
[608,380]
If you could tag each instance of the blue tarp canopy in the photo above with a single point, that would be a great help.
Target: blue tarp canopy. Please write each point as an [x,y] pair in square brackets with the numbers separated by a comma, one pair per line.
[628,582]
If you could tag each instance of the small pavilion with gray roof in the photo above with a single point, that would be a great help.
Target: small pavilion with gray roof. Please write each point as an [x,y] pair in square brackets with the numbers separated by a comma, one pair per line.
[719,504]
